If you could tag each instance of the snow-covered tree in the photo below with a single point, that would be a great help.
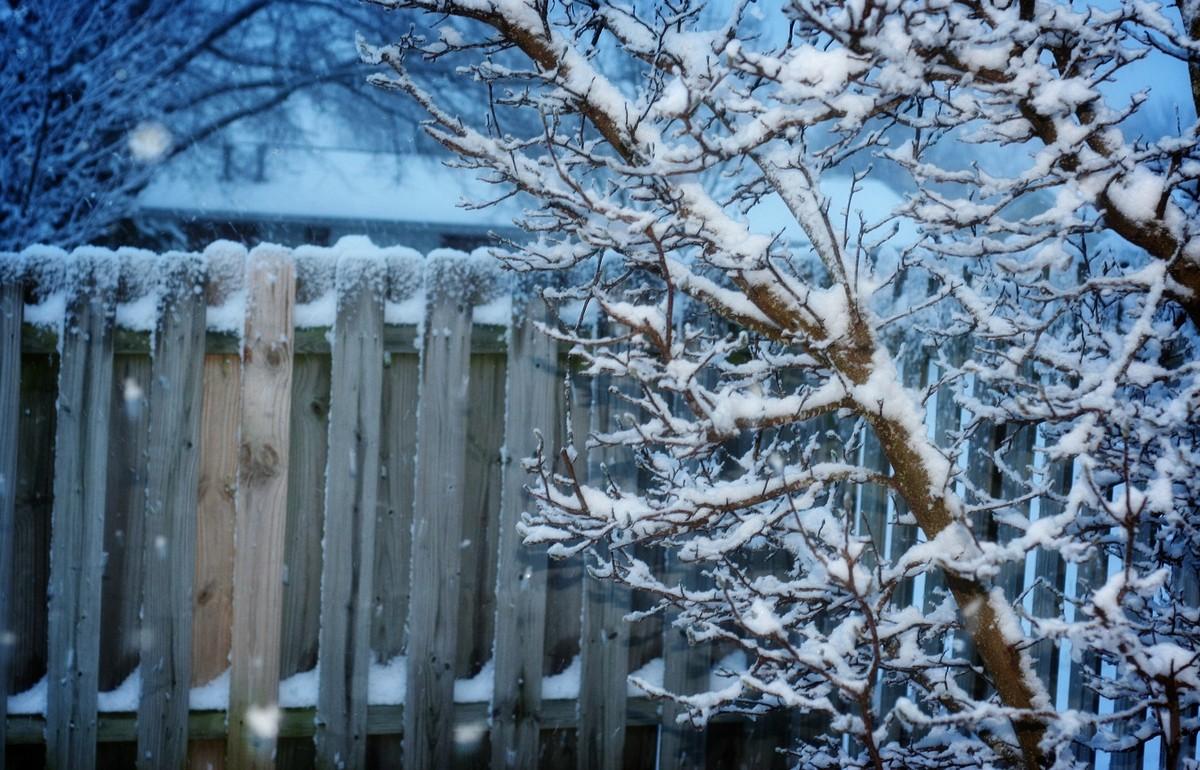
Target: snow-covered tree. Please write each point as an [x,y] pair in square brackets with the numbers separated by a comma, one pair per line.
[95,96]
[1005,358]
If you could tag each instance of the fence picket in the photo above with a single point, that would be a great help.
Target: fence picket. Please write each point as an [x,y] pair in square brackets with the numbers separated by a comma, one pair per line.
[437,529]
[521,578]
[685,671]
[603,652]
[170,517]
[12,306]
[350,499]
[212,603]
[124,519]
[261,511]
[77,528]
[308,456]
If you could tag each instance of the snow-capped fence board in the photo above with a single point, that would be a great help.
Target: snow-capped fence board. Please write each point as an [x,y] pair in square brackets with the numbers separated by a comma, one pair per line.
[212,602]
[12,306]
[350,501]
[604,654]
[170,516]
[262,507]
[437,524]
[521,570]
[77,528]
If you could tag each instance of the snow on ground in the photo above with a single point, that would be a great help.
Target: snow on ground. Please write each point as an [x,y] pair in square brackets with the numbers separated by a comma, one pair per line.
[386,685]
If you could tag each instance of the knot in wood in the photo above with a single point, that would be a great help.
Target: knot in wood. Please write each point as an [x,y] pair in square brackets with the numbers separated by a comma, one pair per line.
[258,462]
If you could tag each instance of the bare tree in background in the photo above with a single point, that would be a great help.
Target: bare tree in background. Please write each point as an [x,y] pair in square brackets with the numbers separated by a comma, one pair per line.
[1035,299]
[95,96]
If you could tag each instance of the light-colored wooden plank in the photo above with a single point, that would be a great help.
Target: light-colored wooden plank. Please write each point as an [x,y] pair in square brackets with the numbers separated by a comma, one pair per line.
[532,382]
[437,530]
[77,530]
[12,305]
[262,507]
[176,389]
[604,638]
[350,502]
[124,520]
[216,506]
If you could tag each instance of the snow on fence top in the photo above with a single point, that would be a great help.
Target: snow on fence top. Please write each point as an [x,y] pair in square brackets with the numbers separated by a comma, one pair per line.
[139,277]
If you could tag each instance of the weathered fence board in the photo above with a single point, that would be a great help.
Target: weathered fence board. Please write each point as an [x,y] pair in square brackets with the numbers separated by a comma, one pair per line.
[30,575]
[685,671]
[481,504]
[393,527]
[437,532]
[604,655]
[308,456]
[350,502]
[77,530]
[12,306]
[124,520]
[262,507]
[170,517]
[521,572]
[216,506]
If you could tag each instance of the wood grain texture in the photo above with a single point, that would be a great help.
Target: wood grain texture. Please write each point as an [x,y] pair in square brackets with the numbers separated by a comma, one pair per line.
[12,305]
[481,507]
[30,575]
[351,495]
[394,517]
[262,506]
[604,638]
[77,530]
[521,572]
[216,505]
[437,533]
[564,594]
[124,519]
[307,459]
[173,461]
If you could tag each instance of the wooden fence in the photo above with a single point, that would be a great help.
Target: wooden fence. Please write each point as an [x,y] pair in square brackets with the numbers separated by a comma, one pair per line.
[253,514]
[259,509]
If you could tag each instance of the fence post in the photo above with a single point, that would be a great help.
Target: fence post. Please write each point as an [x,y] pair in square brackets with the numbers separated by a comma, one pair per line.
[262,508]
[12,305]
[604,638]
[350,497]
[170,526]
[437,516]
[521,570]
[77,527]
